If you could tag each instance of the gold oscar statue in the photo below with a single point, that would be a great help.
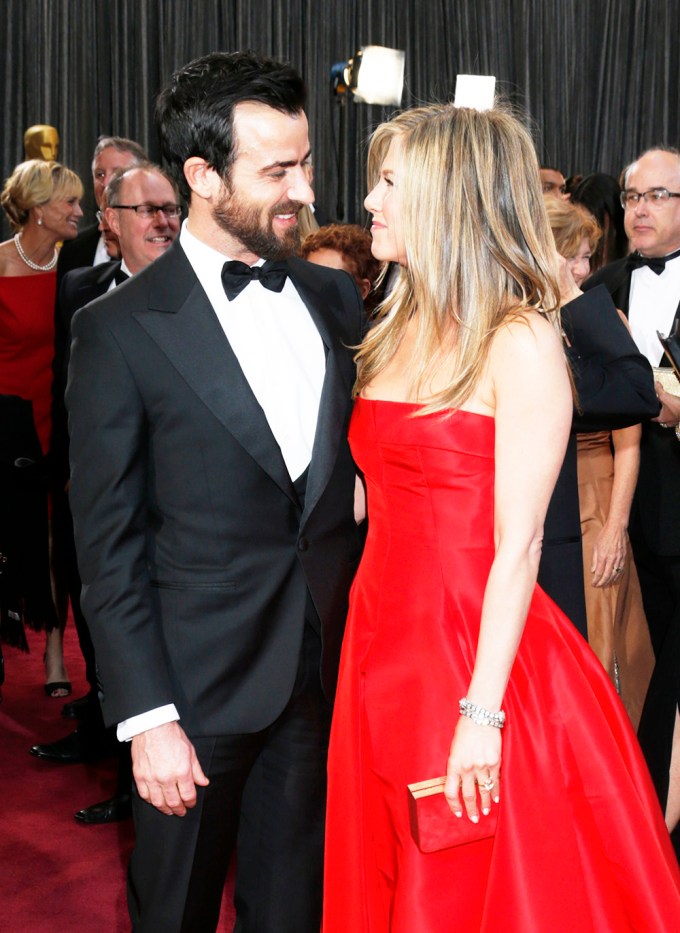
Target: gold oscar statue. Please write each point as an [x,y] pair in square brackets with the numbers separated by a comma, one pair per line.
[41,142]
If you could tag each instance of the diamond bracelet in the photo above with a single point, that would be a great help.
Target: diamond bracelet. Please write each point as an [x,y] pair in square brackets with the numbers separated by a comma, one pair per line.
[479,715]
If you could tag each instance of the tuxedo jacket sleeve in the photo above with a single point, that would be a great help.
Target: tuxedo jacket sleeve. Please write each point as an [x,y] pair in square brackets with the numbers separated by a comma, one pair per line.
[615,277]
[195,553]
[613,380]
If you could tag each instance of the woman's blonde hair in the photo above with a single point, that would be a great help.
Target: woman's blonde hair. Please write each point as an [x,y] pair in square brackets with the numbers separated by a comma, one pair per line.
[571,223]
[477,242]
[34,183]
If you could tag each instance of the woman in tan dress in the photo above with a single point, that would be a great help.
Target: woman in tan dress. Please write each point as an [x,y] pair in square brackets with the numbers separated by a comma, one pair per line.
[608,463]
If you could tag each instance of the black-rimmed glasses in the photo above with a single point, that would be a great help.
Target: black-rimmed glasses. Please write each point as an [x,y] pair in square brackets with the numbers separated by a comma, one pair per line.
[147,211]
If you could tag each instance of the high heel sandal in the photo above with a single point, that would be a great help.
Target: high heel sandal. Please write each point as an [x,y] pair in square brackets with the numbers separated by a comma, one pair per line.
[54,686]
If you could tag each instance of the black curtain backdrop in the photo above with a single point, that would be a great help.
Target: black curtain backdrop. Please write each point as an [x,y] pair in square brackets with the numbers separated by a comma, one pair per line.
[598,79]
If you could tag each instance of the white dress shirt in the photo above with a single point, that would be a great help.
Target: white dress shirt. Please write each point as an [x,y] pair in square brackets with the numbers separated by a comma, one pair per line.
[101,254]
[282,356]
[652,303]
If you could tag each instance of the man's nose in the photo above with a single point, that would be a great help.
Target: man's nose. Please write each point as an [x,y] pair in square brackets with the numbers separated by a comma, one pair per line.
[300,188]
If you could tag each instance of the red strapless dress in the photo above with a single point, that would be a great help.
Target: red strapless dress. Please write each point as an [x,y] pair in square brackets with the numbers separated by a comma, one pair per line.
[581,844]
[27,344]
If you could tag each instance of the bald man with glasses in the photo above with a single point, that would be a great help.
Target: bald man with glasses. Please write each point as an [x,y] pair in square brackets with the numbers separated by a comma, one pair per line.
[646,287]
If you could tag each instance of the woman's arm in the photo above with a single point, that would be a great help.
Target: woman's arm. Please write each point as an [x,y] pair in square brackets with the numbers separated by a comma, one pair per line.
[359,500]
[529,389]
[611,544]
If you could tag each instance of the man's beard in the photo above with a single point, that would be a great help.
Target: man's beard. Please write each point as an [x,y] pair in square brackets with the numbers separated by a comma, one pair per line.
[243,222]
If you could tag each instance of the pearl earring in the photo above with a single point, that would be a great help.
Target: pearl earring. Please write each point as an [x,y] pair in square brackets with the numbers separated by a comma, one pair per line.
[40,221]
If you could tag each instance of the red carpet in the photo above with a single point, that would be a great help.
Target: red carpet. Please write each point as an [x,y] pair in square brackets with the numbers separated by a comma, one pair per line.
[55,874]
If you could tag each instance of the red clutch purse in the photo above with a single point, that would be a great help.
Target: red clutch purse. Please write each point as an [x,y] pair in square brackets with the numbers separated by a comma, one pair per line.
[434,826]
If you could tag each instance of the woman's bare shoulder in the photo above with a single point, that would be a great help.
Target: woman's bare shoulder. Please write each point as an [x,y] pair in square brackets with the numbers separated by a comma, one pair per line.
[10,264]
[527,336]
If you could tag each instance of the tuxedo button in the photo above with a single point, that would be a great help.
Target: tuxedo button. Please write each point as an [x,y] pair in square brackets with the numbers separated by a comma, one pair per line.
[303,544]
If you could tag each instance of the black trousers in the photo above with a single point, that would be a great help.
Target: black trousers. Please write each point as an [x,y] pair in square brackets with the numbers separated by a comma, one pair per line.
[660,584]
[66,567]
[266,798]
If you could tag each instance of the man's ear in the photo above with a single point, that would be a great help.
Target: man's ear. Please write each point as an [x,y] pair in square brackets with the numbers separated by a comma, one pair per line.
[203,180]
[364,287]
[112,219]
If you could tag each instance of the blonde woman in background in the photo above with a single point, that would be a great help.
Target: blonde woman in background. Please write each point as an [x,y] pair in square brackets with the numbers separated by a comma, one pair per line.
[42,202]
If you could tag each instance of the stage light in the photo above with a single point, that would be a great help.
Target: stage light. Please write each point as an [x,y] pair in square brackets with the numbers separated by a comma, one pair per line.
[475,91]
[374,76]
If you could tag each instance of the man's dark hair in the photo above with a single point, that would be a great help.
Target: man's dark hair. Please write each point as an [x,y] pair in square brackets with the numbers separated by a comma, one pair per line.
[195,112]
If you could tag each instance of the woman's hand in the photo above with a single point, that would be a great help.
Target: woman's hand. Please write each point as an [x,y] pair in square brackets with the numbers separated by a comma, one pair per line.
[609,554]
[474,764]
[569,290]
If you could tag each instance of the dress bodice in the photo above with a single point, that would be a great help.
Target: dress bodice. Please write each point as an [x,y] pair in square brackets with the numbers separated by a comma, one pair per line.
[426,474]
[27,343]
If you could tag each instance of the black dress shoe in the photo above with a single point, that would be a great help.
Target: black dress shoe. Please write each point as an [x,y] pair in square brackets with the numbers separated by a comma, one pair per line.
[108,811]
[80,745]
[80,708]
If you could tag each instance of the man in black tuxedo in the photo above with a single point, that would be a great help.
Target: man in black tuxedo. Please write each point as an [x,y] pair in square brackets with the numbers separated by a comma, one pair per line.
[646,287]
[89,248]
[649,296]
[215,523]
[143,235]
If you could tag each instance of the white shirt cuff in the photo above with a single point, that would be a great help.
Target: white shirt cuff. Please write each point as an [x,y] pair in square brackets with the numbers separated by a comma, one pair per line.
[129,728]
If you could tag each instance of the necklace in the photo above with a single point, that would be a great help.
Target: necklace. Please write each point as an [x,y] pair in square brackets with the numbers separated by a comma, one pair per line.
[29,262]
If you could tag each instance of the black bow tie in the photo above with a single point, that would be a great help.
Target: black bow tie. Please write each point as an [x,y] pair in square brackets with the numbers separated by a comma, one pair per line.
[236,275]
[656,263]
[120,276]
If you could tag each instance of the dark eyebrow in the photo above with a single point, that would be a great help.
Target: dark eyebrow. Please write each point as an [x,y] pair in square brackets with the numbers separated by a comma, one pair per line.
[289,164]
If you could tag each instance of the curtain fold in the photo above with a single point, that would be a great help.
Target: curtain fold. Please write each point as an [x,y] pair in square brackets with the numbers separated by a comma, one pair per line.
[599,79]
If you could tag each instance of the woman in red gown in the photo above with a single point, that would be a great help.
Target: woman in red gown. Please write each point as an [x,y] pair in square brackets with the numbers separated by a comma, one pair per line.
[463,410]
[42,202]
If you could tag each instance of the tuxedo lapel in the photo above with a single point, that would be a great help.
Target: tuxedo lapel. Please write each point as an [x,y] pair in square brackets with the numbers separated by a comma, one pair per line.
[621,292]
[323,304]
[182,322]
[97,283]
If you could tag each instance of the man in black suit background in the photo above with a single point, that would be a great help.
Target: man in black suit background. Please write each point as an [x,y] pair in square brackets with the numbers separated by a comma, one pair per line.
[111,154]
[646,287]
[142,235]
[215,525]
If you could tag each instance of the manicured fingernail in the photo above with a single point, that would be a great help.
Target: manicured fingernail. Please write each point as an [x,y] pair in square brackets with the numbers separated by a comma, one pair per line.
[485,811]
[474,819]
[496,799]
[458,813]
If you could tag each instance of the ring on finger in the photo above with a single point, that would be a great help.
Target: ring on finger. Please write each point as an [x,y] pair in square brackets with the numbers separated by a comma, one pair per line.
[487,784]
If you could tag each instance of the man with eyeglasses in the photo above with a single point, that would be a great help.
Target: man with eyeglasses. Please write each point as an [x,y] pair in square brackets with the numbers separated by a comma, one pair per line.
[111,154]
[646,287]
[144,213]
